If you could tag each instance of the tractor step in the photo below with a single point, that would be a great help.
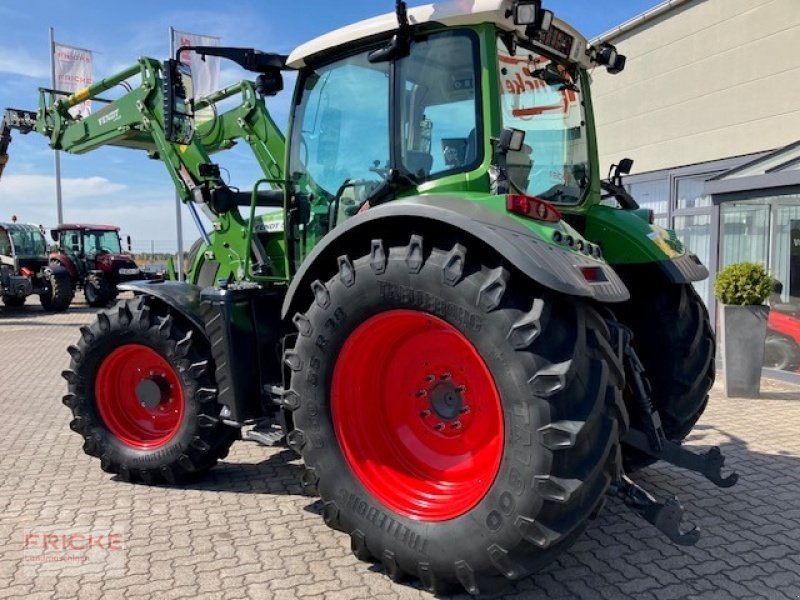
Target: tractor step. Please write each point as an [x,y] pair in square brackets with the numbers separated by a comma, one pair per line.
[266,434]
[666,516]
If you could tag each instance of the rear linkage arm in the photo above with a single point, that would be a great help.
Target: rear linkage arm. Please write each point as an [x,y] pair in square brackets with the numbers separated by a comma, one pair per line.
[665,516]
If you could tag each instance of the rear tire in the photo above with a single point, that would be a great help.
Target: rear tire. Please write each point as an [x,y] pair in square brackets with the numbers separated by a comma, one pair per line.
[60,295]
[558,385]
[675,342]
[97,291]
[180,434]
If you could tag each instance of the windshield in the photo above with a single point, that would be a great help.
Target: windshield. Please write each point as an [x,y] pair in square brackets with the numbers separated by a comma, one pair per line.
[28,241]
[543,99]
[95,242]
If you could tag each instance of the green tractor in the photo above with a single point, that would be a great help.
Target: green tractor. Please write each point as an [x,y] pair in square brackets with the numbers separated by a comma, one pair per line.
[466,343]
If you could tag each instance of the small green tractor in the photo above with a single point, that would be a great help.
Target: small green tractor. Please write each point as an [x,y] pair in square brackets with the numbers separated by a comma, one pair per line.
[467,344]
[24,269]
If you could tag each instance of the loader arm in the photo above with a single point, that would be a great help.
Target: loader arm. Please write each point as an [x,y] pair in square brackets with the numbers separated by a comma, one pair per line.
[137,120]
[21,120]
[249,121]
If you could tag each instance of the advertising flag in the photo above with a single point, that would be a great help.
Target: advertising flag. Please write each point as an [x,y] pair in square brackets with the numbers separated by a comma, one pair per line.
[205,73]
[73,72]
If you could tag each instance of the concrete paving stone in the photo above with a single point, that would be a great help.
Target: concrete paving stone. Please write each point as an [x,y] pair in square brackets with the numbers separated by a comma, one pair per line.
[245,530]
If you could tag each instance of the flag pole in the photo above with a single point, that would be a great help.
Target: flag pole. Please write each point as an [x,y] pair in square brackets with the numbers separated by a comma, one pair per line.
[178,203]
[56,156]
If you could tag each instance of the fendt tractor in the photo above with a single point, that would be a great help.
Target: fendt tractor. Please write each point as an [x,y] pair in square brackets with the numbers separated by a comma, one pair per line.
[92,254]
[24,269]
[432,297]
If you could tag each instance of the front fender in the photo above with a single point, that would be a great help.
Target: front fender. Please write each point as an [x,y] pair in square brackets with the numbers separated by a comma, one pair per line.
[66,262]
[182,297]
[552,266]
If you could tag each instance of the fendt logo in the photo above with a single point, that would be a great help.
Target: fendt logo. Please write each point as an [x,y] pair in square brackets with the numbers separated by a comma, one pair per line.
[111,116]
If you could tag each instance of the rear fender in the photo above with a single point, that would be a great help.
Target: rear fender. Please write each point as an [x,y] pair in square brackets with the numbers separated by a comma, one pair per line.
[551,266]
[628,240]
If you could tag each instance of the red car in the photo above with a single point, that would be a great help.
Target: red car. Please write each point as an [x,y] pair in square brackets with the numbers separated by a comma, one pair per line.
[782,350]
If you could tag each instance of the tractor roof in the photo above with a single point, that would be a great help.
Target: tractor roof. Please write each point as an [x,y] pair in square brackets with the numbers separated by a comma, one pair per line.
[452,13]
[71,226]
[20,227]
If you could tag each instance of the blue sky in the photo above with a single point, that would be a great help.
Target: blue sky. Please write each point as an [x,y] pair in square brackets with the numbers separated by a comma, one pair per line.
[124,187]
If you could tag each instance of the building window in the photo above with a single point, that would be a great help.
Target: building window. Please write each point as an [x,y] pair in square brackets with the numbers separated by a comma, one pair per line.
[690,192]
[653,194]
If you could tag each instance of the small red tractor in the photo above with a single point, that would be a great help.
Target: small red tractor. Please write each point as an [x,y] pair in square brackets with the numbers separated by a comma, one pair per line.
[92,254]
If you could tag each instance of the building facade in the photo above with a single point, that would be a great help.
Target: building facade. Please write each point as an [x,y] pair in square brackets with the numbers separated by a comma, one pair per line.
[709,109]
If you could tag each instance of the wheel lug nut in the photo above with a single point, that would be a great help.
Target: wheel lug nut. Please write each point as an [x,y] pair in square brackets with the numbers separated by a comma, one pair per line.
[464,410]
[421,393]
[425,413]
[456,425]
[445,376]
[439,427]
[430,378]
[461,388]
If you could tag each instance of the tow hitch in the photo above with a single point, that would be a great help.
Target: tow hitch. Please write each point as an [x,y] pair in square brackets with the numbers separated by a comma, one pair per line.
[666,516]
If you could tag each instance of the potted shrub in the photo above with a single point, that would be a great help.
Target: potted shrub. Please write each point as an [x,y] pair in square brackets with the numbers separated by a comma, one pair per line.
[742,288]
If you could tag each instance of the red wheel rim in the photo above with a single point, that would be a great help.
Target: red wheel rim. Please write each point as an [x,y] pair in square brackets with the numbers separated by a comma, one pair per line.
[139,397]
[417,415]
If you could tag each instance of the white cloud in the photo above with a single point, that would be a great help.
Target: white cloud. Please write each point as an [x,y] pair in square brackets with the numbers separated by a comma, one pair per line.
[18,62]
[34,189]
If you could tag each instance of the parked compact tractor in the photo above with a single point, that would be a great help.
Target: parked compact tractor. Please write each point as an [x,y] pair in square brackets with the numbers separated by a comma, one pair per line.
[466,344]
[92,254]
[24,269]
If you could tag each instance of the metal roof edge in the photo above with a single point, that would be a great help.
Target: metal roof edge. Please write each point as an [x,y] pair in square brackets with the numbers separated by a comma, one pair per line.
[639,20]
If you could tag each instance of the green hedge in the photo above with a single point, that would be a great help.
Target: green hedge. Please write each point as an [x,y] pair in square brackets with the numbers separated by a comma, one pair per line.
[744,284]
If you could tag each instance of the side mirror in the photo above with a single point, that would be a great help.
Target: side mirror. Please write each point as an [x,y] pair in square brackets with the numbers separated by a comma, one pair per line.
[128,239]
[54,235]
[624,167]
[178,96]
[511,140]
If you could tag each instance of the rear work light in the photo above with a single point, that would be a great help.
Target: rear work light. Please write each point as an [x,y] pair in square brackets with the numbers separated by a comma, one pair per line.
[533,208]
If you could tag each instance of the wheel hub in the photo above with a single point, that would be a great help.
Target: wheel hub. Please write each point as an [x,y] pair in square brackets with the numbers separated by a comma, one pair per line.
[153,391]
[446,400]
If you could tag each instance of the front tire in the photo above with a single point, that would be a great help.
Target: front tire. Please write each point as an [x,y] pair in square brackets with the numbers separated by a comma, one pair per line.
[97,291]
[59,294]
[143,397]
[499,472]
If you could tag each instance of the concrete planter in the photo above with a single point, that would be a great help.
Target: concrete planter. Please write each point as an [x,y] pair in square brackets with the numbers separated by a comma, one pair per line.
[744,331]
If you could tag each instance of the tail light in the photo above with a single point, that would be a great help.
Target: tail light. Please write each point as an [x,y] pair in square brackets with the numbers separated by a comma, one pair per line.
[26,272]
[533,208]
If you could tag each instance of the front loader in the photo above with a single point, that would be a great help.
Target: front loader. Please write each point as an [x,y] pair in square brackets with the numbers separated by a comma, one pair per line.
[466,345]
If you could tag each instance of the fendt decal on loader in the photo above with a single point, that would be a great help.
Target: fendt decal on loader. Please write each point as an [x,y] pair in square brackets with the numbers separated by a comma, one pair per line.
[468,337]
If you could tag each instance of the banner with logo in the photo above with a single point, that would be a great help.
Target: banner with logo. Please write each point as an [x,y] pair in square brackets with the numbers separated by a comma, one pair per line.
[73,70]
[205,73]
